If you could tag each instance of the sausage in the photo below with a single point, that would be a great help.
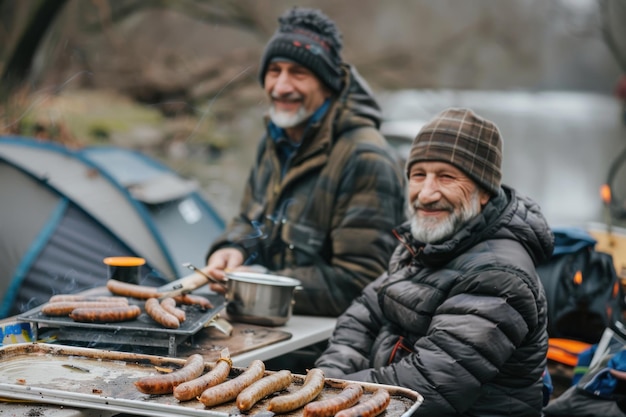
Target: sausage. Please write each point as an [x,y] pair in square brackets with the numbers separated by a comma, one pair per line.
[262,388]
[158,314]
[313,385]
[127,289]
[169,305]
[228,390]
[191,389]
[77,297]
[63,308]
[105,314]
[331,406]
[164,384]
[371,407]
[192,299]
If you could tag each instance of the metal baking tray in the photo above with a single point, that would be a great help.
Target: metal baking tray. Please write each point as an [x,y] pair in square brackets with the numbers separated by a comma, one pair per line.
[143,331]
[103,380]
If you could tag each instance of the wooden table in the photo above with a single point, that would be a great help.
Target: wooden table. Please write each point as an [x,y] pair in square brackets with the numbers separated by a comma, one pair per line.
[305,331]
[249,342]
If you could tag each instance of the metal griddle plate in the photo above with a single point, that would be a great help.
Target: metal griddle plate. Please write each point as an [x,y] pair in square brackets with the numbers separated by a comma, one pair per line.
[142,331]
[103,380]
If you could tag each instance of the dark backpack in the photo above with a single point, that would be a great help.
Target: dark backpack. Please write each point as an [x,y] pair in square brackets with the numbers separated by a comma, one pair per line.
[582,288]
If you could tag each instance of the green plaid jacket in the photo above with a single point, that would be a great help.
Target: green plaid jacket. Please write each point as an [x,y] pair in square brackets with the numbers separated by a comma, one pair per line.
[328,221]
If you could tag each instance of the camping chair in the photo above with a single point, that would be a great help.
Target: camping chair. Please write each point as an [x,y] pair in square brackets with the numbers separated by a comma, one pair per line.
[562,358]
[600,388]
[565,351]
[612,336]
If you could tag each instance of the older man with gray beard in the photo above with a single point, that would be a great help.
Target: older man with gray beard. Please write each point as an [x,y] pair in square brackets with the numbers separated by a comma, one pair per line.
[460,316]
[325,191]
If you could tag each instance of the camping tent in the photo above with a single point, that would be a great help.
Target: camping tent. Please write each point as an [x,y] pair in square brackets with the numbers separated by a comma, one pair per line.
[62,211]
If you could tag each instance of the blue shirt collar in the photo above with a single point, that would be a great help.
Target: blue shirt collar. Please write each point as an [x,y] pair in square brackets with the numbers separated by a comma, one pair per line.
[278,133]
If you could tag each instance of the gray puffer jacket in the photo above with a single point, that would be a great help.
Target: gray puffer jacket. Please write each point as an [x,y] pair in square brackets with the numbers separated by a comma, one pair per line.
[463,323]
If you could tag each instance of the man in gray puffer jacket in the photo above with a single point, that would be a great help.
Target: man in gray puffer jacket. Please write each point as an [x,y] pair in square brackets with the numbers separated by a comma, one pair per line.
[460,315]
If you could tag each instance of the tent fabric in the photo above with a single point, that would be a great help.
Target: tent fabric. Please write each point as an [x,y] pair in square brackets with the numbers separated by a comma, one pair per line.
[62,211]
[67,256]
[71,174]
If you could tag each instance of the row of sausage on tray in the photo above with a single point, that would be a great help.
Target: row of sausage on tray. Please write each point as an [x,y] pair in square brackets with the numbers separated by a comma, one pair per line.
[213,388]
[163,310]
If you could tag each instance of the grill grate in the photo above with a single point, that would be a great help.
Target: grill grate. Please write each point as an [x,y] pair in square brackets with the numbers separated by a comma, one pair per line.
[142,331]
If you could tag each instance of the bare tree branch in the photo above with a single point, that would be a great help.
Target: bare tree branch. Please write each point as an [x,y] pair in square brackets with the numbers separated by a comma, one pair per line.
[612,11]
[225,13]
[20,58]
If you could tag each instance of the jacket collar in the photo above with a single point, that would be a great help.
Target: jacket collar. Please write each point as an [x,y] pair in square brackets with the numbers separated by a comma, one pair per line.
[278,133]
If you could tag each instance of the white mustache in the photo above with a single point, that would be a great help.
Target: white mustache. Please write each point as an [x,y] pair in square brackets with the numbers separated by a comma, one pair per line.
[294,96]
[433,206]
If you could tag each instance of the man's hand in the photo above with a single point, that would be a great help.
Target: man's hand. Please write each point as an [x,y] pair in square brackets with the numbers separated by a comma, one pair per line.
[219,262]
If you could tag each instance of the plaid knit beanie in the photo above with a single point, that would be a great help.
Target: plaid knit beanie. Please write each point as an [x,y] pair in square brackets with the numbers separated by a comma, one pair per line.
[310,38]
[465,140]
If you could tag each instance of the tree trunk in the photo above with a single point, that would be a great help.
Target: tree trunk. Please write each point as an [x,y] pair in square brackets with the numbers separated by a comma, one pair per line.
[20,58]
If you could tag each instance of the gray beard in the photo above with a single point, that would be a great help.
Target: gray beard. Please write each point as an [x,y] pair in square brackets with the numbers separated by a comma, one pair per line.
[430,231]
[286,120]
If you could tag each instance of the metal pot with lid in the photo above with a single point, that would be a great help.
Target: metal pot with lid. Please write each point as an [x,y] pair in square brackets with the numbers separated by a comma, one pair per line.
[259,298]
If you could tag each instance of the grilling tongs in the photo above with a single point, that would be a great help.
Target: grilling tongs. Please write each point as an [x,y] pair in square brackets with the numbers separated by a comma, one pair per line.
[187,284]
